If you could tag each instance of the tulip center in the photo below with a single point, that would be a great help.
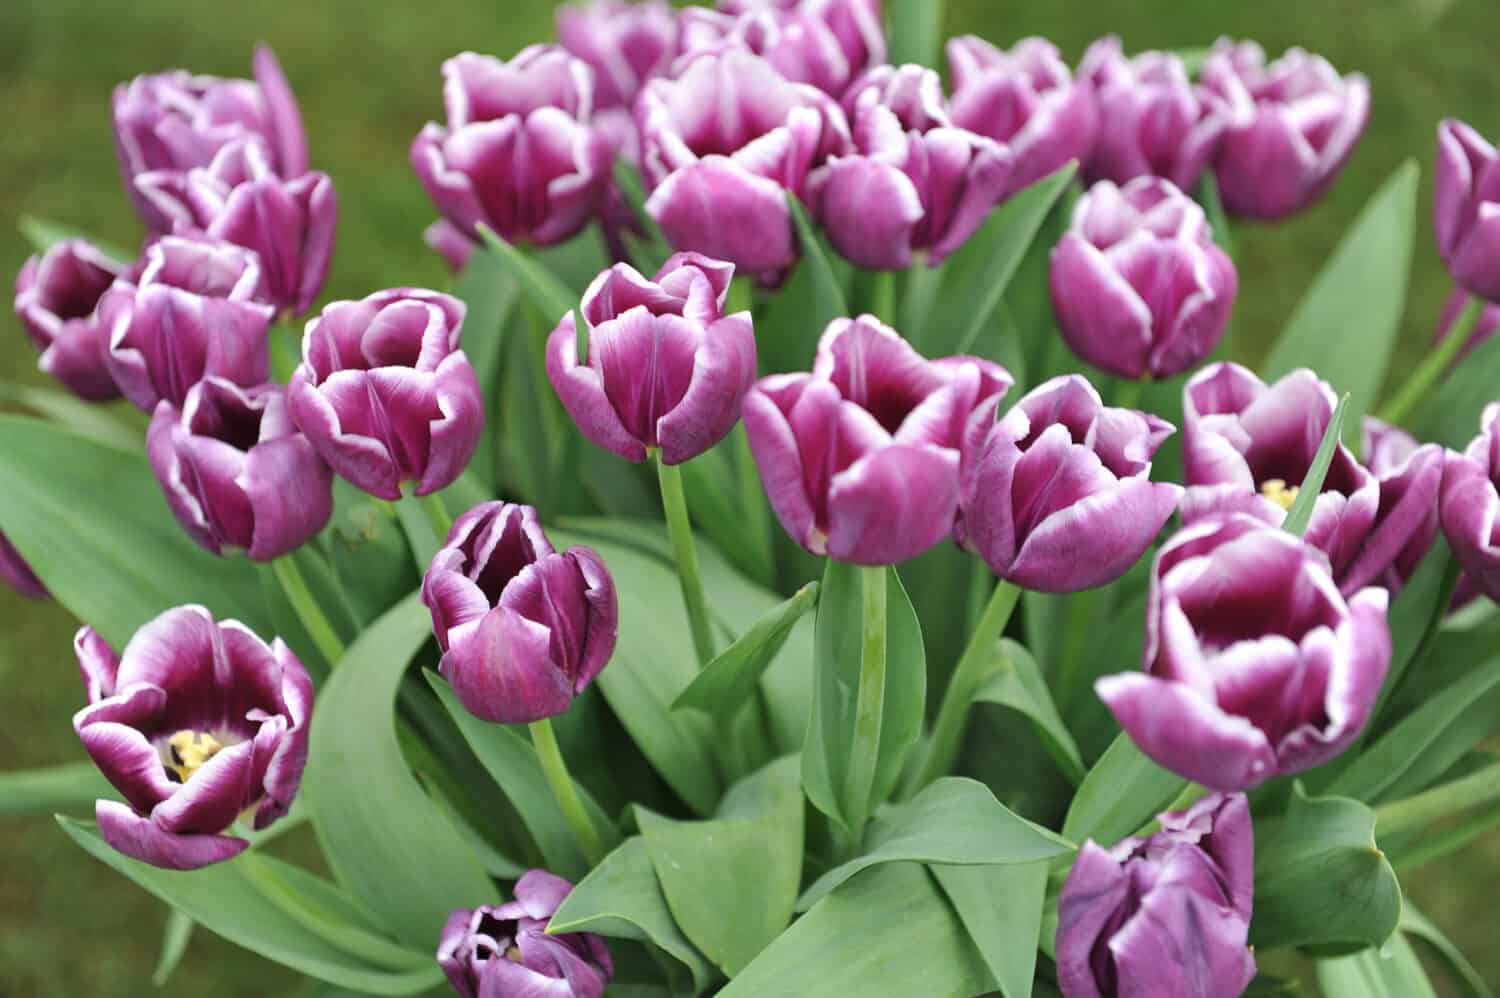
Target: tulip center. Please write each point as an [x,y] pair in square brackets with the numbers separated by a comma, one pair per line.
[188,751]
[1279,492]
[513,954]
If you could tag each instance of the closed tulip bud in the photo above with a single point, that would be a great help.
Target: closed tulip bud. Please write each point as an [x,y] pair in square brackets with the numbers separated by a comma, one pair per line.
[1486,327]
[196,723]
[56,298]
[1025,98]
[1166,915]
[236,473]
[1138,286]
[666,367]
[290,224]
[1470,505]
[15,573]
[1254,665]
[384,393]
[1406,523]
[1292,126]
[1466,208]
[860,458]
[505,951]
[625,44]
[823,43]
[1057,496]
[522,628]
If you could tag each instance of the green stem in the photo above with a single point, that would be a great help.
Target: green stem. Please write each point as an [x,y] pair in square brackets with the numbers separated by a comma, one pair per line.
[294,585]
[917,298]
[1421,810]
[1421,382]
[1081,619]
[1127,394]
[680,531]
[565,791]
[437,515]
[883,296]
[869,707]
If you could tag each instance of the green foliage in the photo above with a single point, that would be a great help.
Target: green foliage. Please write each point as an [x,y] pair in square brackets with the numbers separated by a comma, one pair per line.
[1121,793]
[731,678]
[1300,515]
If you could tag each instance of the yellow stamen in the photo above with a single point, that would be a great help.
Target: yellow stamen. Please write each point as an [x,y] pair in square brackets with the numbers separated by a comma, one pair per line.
[513,954]
[189,751]
[1277,490]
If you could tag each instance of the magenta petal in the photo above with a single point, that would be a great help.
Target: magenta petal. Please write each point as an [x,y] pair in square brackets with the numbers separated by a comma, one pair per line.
[1101,317]
[97,662]
[455,433]
[869,209]
[892,505]
[130,763]
[1096,540]
[139,838]
[503,670]
[291,491]
[723,370]
[1096,887]
[213,797]
[540,893]
[719,208]
[777,451]
[602,618]
[581,389]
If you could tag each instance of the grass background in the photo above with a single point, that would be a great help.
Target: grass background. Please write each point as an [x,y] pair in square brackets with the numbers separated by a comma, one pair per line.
[367,76]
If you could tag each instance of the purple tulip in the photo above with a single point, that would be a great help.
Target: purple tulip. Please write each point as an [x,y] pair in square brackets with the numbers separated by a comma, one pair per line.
[56,296]
[1025,98]
[860,458]
[236,473]
[666,367]
[1486,327]
[1158,123]
[914,183]
[170,123]
[1138,286]
[1470,505]
[721,145]
[15,573]
[194,313]
[523,629]
[450,243]
[1167,915]
[385,394]
[1293,125]
[1057,496]
[1406,523]
[195,723]
[1255,665]
[823,43]
[1247,447]
[626,44]
[1466,208]
[519,153]
[505,951]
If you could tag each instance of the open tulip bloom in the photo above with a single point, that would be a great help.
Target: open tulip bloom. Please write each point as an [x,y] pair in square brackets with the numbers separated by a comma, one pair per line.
[657,583]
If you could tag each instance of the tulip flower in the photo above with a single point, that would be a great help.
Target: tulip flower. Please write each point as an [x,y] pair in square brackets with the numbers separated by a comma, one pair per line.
[1470,505]
[193,314]
[1293,125]
[56,296]
[1057,496]
[626,44]
[1254,664]
[1483,329]
[450,243]
[1138,286]
[823,43]
[1406,523]
[195,723]
[505,951]
[15,573]
[523,629]
[1165,915]
[1158,123]
[236,473]
[384,393]
[169,123]
[914,183]
[1465,206]
[666,367]
[860,458]
[1025,98]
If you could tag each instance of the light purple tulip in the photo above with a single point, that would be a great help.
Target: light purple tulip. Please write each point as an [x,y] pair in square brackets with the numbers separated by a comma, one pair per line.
[15,573]
[523,629]
[722,144]
[1255,665]
[450,243]
[666,367]
[1025,98]
[914,184]
[1470,505]
[1138,286]
[235,471]
[1484,329]
[626,44]
[505,951]
[194,313]
[1466,208]
[195,723]
[1057,496]
[56,296]
[824,43]
[385,394]
[1410,477]
[860,458]
[1166,915]
[1155,122]
[1293,124]
[170,123]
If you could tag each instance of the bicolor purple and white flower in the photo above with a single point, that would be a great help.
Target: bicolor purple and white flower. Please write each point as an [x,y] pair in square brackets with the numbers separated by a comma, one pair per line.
[1470,505]
[1410,476]
[57,293]
[1466,208]
[824,43]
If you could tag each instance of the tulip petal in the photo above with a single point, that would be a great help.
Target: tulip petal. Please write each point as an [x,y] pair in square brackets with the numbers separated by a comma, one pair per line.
[1101,316]
[141,839]
[128,761]
[723,371]
[892,504]
[580,387]
[291,492]
[503,671]
[1096,539]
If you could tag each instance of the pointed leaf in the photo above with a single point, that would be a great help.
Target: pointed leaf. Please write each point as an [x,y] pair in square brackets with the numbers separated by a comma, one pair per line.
[43,234]
[1001,907]
[726,682]
[544,289]
[1418,926]
[492,295]
[1122,792]
[915,32]
[1451,413]
[70,786]
[1300,515]
[828,292]
[175,936]
[1017,683]
[1392,971]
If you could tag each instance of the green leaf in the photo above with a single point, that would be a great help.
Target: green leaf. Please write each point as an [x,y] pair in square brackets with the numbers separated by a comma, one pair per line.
[828,294]
[1213,208]
[1417,612]
[357,780]
[71,786]
[915,31]
[43,234]
[1017,683]
[1122,792]
[491,294]
[546,292]
[722,506]
[731,882]
[650,253]
[1001,906]
[1392,971]
[175,936]
[1320,880]
[730,679]
[954,821]
[1419,926]
[1451,414]
[369,553]
[532,428]
[1300,515]
[1361,289]
[109,425]
[91,521]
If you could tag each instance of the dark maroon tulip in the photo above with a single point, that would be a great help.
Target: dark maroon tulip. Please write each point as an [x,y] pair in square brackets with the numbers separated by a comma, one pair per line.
[15,573]
[505,951]
[385,394]
[1466,208]
[56,296]
[1470,505]
[1411,478]
[824,43]
[523,629]
[1165,915]
[1486,327]
[626,44]
[1255,665]
[195,723]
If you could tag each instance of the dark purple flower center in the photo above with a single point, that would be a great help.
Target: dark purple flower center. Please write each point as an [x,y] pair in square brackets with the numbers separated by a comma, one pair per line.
[510,553]
[226,415]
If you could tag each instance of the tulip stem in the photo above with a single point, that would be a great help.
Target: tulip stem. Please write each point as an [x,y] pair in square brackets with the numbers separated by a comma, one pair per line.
[883,296]
[437,515]
[1127,394]
[305,605]
[869,707]
[685,552]
[1409,814]
[1432,368]
[565,791]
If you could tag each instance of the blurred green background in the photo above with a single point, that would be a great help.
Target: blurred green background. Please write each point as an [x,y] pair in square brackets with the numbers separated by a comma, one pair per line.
[367,77]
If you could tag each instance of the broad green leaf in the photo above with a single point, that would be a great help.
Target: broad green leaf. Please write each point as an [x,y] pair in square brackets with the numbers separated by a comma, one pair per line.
[1392,971]
[532,427]
[1417,612]
[915,31]
[1017,683]
[114,426]
[1001,906]
[650,252]
[357,780]
[71,786]
[546,292]
[1419,926]
[1451,414]
[731,882]
[175,936]
[91,521]
[828,291]
[1360,293]
[1320,880]
[43,234]
[954,821]
[369,553]
[315,573]
[727,503]
[1300,515]
[730,679]
[1122,792]
[1213,208]
[491,293]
